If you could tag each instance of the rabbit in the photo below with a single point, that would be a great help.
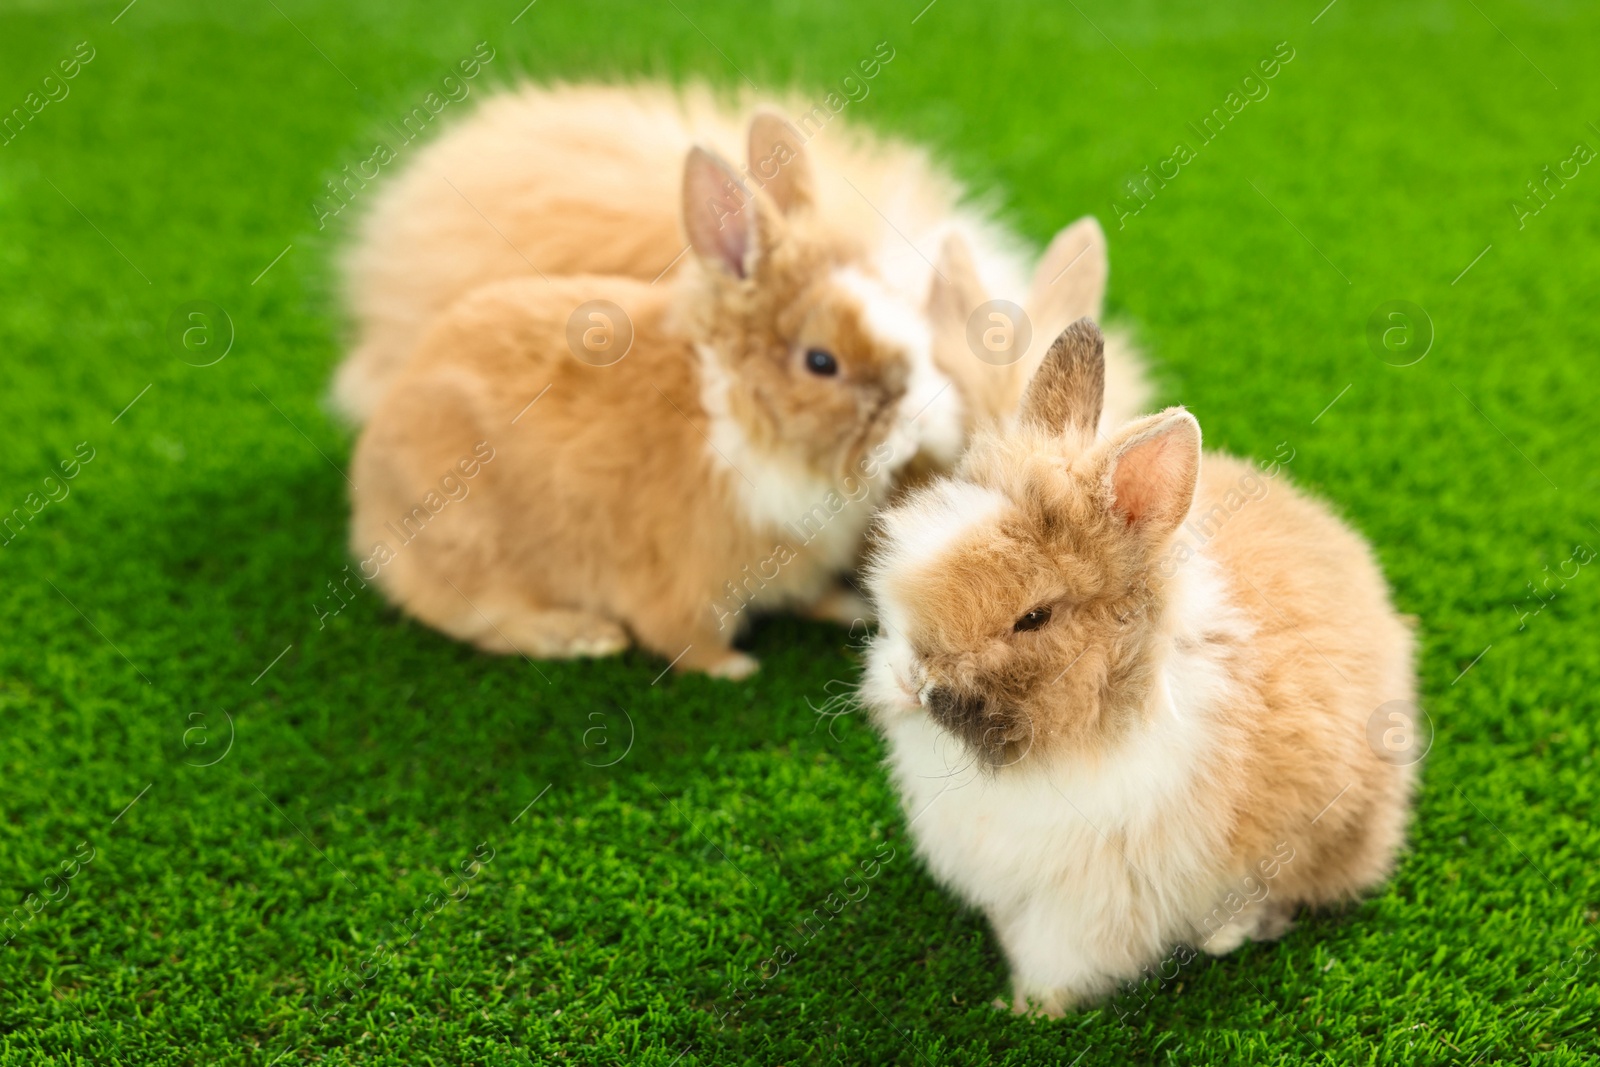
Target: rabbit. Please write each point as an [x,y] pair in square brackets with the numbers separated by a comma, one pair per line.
[1146,680]
[581,179]
[726,452]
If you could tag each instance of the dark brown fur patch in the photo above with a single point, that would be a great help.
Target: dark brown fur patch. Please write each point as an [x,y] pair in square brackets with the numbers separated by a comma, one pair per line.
[1068,389]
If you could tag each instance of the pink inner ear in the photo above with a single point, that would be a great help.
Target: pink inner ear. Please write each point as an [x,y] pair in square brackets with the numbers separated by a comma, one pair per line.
[1154,479]
[716,213]
[732,238]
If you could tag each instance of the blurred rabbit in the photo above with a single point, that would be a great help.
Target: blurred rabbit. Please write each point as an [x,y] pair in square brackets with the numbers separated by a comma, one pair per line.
[720,445]
[1145,676]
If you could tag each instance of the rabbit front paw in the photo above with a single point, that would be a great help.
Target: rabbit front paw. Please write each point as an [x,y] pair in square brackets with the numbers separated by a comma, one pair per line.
[1048,1003]
[735,666]
[843,606]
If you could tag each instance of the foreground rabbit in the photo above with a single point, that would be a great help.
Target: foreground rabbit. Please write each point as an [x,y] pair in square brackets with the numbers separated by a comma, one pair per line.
[1145,686]
[716,444]
[583,179]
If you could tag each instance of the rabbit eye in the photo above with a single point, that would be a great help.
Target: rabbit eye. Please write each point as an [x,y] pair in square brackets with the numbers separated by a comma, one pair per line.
[821,363]
[1032,620]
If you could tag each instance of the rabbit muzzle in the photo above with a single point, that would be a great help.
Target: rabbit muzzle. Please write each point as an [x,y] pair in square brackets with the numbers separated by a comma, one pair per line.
[1000,735]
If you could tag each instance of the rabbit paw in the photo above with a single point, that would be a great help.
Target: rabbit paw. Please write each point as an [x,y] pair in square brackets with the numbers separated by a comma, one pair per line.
[603,644]
[843,606]
[1273,923]
[1266,923]
[1049,1003]
[587,636]
[734,666]
[554,633]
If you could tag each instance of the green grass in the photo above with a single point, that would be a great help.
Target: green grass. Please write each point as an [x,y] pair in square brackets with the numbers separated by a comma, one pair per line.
[370,757]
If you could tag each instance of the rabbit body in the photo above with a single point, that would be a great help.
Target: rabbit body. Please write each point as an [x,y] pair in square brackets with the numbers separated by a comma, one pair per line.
[720,445]
[1180,752]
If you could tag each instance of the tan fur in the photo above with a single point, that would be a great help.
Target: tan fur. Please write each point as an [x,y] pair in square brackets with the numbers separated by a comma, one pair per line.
[608,510]
[1305,642]
[583,179]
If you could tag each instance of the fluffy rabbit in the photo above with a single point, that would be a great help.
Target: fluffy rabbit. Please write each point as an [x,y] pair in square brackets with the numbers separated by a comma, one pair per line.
[582,179]
[718,444]
[1146,682]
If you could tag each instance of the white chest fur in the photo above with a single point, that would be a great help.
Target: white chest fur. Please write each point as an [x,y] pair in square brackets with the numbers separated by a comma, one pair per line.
[778,495]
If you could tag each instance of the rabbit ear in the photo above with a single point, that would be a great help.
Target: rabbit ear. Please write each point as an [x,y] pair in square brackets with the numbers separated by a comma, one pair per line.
[720,214]
[1069,387]
[1070,280]
[988,392]
[1153,470]
[956,289]
[778,161]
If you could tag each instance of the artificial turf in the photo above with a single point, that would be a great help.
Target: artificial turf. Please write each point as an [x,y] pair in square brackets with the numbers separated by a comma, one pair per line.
[654,846]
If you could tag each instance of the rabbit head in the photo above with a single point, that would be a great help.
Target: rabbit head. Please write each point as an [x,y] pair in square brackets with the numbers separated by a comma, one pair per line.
[1021,599]
[810,360]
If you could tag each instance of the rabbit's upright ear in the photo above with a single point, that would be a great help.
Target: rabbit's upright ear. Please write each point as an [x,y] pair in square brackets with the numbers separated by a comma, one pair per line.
[778,161]
[1153,468]
[1069,387]
[988,392]
[722,217]
[1070,280]
[956,290]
